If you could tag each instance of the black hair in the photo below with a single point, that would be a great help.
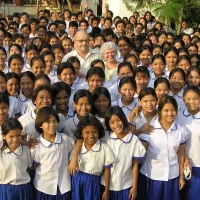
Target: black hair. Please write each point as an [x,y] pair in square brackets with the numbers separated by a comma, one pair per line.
[28,74]
[127,79]
[115,110]
[3,49]
[36,58]
[16,45]
[57,46]
[193,68]
[52,24]
[84,21]
[10,75]
[73,59]
[94,62]
[40,88]
[73,24]
[124,38]
[147,91]
[183,49]
[120,22]
[31,47]
[191,88]
[184,57]
[129,56]
[4,98]
[43,76]
[65,65]
[145,47]
[43,46]
[173,71]
[95,71]
[83,93]
[106,32]
[43,116]
[179,41]
[171,48]
[142,70]
[17,36]
[24,26]
[97,92]
[58,87]
[167,99]
[15,56]
[89,121]
[158,56]
[48,53]
[161,80]
[125,64]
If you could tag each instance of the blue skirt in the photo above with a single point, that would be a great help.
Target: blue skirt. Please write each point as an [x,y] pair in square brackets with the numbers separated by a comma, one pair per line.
[191,190]
[16,192]
[86,186]
[149,189]
[42,196]
[118,195]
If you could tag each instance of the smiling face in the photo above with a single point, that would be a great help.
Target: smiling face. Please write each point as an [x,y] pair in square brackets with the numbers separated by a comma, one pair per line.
[116,124]
[62,100]
[158,67]
[192,101]
[67,76]
[168,113]
[109,54]
[3,111]
[177,81]
[171,59]
[81,42]
[148,103]
[161,90]
[13,139]
[145,58]
[184,64]
[16,65]
[101,104]
[38,67]
[13,87]
[27,86]
[94,81]
[127,92]
[124,47]
[193,78]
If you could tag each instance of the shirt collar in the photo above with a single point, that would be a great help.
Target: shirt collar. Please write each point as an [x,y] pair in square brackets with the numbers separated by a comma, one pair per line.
[46,143]
[33,114]
[18,151]
[96,147]
[187,114]
[76,81]
[153,77]
[73,87]
[75,120]
[125,139]
[22,98]
[130,106]
[157,125]
[179,95]
[52,73]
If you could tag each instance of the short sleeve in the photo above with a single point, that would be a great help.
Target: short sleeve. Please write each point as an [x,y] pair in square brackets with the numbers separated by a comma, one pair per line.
[61,123]
[184,135]
[30,161]
[34,155]
[109,157]
[70,142]
[144,137]
[139,150]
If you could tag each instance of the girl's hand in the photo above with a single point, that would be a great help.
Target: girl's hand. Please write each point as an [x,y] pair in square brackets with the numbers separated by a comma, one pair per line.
[181,182]
[31,143]
[133,193]
[105,195]
[73,166]
[187,164]
[134,112]
[146,128]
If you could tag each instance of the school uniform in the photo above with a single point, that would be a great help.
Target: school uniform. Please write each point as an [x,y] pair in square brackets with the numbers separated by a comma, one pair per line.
[26,68]
[86,183]
[53,76]
[179,99]
[149,67]
[160,170]
[52,179]
[28,123]
[6,69]
[23,101]
[192,149]
[14,107]
[121,179]
[126,109]
[105,84]
[15,180]
[153,78]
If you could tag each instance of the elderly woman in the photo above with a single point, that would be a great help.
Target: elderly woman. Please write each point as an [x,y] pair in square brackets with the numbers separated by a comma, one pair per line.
[109,51]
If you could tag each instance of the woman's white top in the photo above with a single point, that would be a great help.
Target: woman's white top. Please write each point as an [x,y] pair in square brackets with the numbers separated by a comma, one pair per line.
[52,160]
[13,166]
[161,161]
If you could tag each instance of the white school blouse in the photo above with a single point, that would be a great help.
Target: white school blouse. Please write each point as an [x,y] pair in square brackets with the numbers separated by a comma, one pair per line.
[52,160]
[161,161]
[53,76]
[192,124]
[126,109]
[125,150]
[153,78]
[23,103]
[95,160]
[14,106]
[26,68]
[13,166]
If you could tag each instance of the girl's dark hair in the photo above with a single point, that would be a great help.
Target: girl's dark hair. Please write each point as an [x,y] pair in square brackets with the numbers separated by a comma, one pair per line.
[43,76]
[3,49]
[129,56]
[161,80]
[44,45]
[115,110]
[16,45]
[73,59]
[28,74]
[97,92]
[147,91]
[172,48]
[15,56]
[95,71]
[4,98]
[31,47]
[184,57]
[173,71]
[191,88]
[10,124]
[40,88]
[158,56]
[167,99]
[12,75]
[48,53]
[182,49]
[83,93]
[142,70]
[89,121]
[58,87]
[65,65]
[43,116]
[94,62]
[145,47]
[125,64]
[36,58]
[194,68]
[124,38]
[127,79]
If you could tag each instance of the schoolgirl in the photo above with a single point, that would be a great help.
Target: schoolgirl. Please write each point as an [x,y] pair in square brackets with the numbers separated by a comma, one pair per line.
[61,95]
[50,68]
[4,108]
[133,59]
[157,49]
[184,63]
[98,63]
[190,118]
[122,141]
[37,65]
[193,76]
[124,69]
[31,50]
[27,80]
[15,158]
[177,79]
[160,175]
[82,103]
[15,64]
[158,64]
[171,57]
[51,154]
[3,56]
[95,159]
[195,60]
[127,89]
[15,49]
[67,45]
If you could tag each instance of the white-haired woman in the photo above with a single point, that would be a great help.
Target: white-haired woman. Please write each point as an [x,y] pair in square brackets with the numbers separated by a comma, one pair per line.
[108,51]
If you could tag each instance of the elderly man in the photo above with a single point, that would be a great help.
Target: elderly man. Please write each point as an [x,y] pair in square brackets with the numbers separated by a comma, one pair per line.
[82,51]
